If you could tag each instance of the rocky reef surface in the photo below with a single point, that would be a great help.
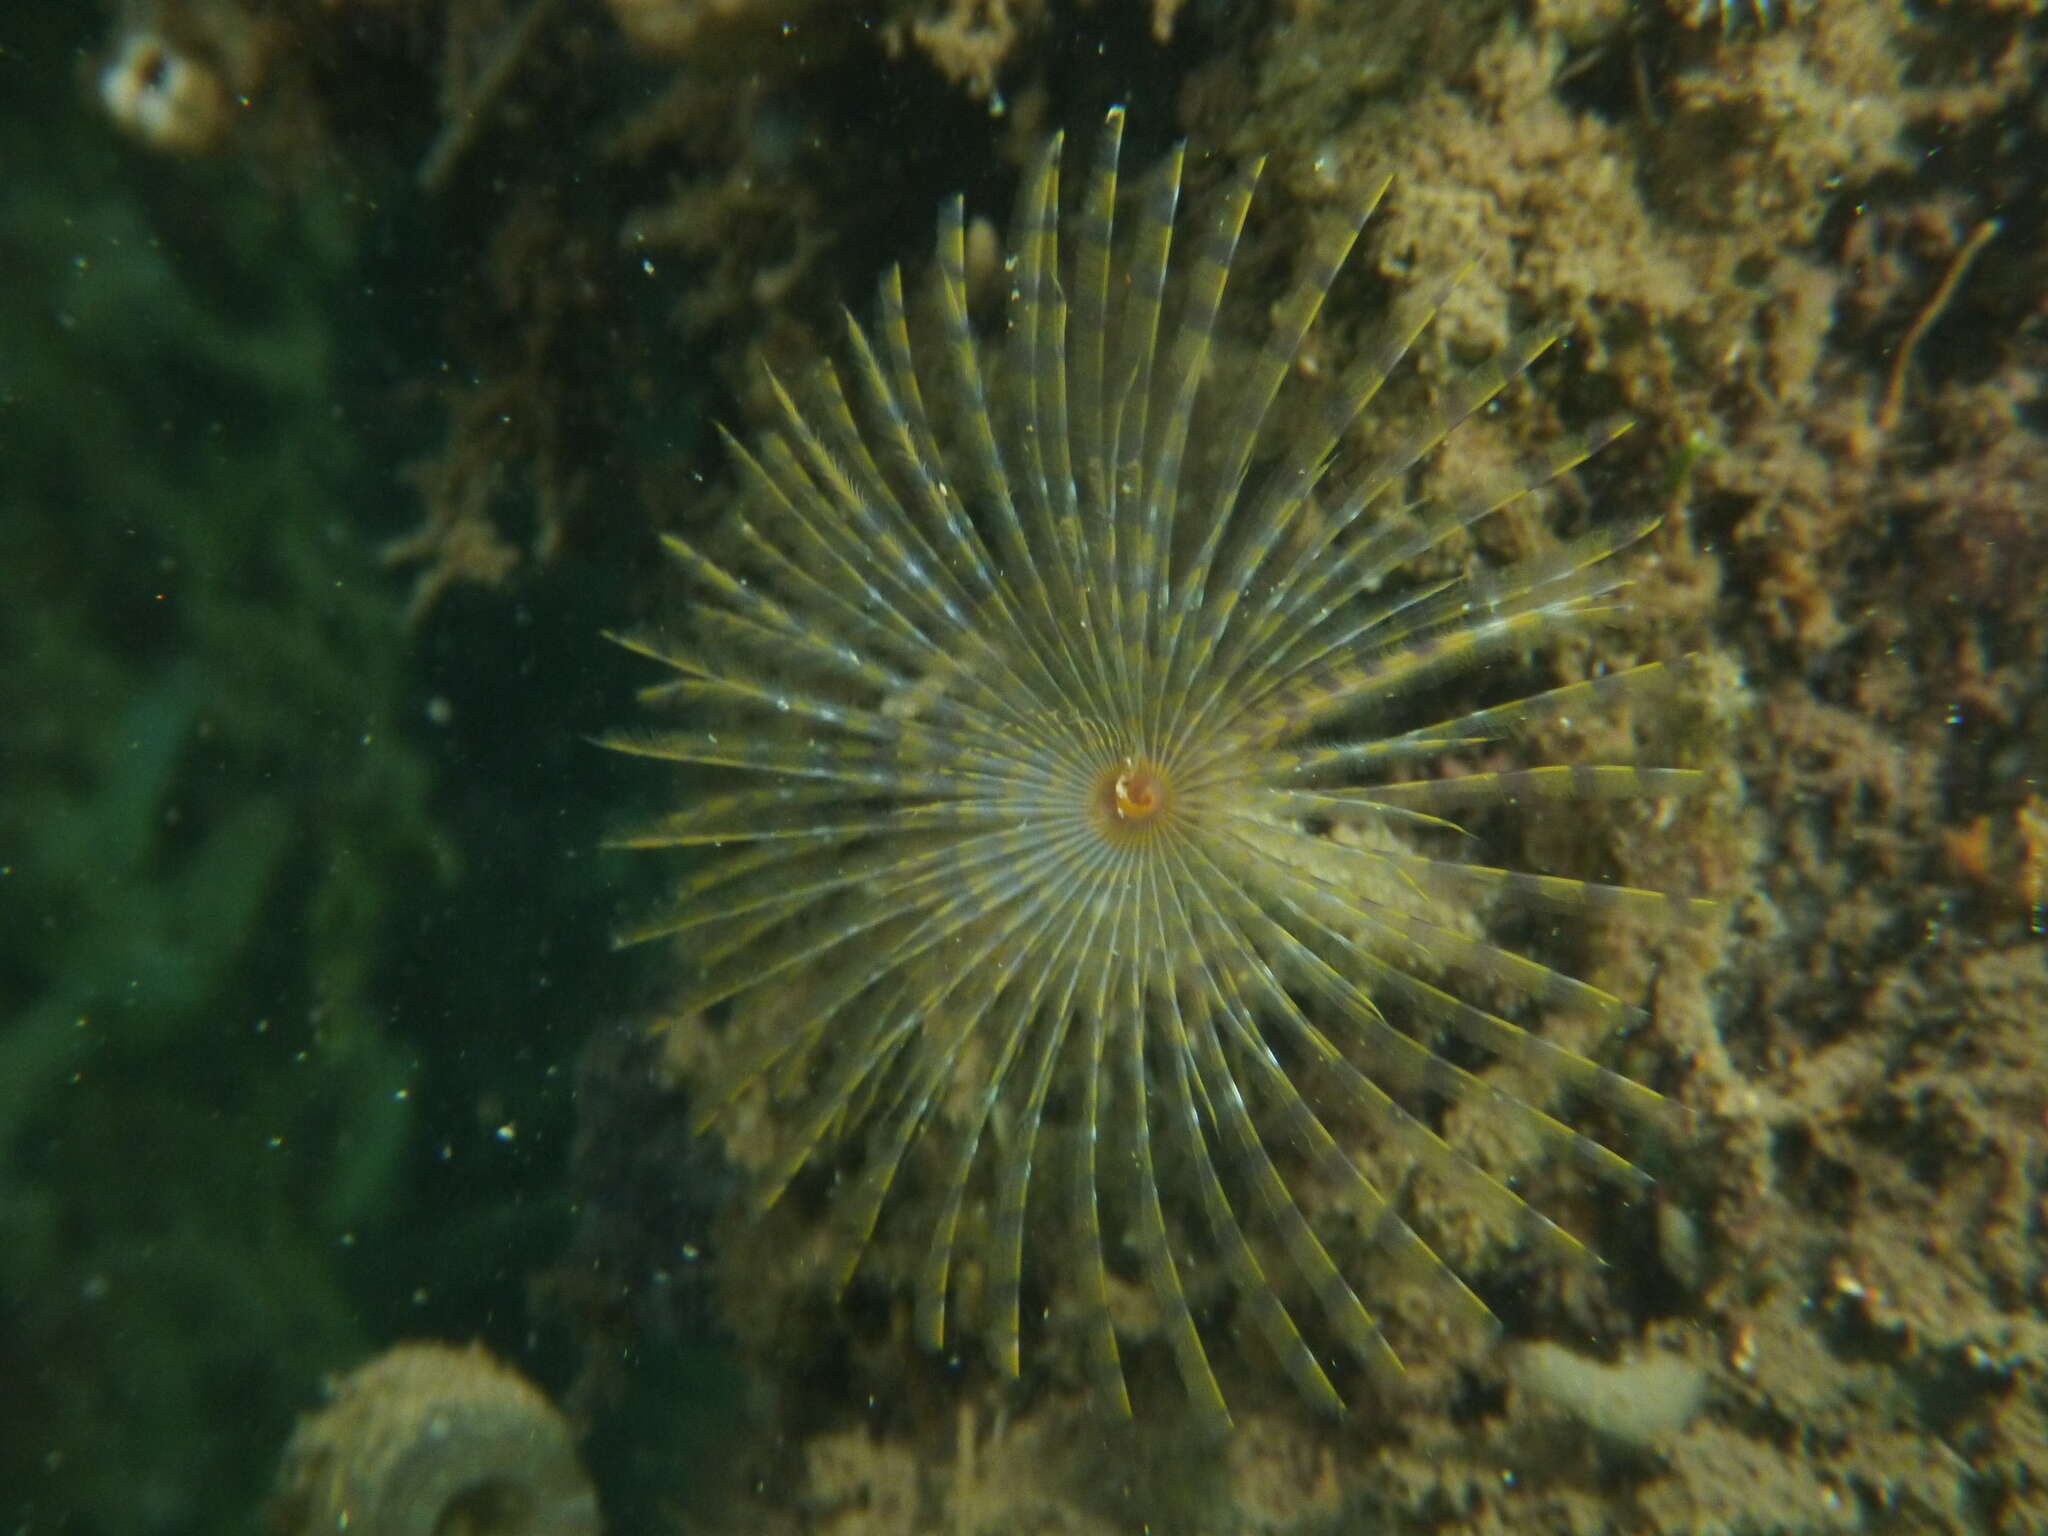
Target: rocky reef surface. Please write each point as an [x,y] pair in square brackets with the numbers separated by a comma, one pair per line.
[353,357]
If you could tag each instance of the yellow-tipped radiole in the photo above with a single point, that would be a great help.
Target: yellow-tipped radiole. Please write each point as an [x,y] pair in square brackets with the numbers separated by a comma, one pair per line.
[1057,716]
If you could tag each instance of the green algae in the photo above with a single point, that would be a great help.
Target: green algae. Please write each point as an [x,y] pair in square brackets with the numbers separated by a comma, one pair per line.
[209,812]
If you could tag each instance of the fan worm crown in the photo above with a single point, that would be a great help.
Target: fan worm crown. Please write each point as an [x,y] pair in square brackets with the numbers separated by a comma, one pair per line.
[1076,835]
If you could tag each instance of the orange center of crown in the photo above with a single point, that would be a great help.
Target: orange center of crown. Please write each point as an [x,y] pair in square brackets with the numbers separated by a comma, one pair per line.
[1130,794]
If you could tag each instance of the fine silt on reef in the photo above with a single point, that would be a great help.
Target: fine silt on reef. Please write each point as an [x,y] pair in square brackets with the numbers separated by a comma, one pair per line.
[1799,248]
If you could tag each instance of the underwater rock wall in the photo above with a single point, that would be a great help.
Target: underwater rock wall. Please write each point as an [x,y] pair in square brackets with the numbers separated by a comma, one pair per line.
[1801,245]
